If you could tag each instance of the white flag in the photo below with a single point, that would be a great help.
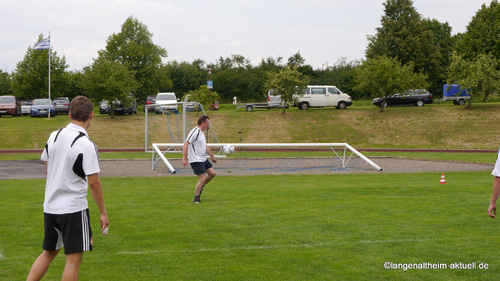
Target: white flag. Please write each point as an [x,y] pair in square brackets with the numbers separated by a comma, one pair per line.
[44,44]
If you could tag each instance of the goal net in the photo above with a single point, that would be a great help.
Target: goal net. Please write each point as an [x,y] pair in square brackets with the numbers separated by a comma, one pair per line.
[172,123]
[270,158]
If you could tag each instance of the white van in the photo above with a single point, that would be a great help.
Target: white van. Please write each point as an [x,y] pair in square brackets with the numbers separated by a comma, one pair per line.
[166,102]
[322,96]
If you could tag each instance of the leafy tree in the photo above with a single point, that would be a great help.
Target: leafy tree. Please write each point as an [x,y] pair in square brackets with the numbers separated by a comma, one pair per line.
[296,60]
[445,43]
[109,80]
[5,84]
[288,82]
[341,74]
[184,76]
[74,84]
[203,95]
[479,76]
[133,47]
[383,76]
[482,34]
[405,37]
[30,79]
[476,64]
[246,84]
[271,64]
[235,61]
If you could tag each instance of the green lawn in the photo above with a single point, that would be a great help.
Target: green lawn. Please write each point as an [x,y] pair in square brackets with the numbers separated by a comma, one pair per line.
[441,126]
[318,227]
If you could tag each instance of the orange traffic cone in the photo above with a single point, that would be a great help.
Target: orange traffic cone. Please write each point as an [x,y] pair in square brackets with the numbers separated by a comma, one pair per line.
[443,180]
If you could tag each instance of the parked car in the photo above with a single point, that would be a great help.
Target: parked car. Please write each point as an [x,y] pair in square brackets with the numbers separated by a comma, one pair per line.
[323,96]
[104,107]
[122,107]
[41,107]
[191,105]
[9,105]
[61,105]
[26,107]
[417,97]
[166,102]
[150,100]
[119,106]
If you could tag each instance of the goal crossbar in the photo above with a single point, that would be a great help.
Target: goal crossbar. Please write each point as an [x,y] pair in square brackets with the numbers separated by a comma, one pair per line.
[345,155]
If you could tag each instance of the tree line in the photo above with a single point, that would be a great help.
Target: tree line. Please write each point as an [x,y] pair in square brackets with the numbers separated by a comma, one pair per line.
[407,48]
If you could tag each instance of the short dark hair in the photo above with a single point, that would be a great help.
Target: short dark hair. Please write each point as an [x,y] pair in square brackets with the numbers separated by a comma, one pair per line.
[80,108]
[202,119]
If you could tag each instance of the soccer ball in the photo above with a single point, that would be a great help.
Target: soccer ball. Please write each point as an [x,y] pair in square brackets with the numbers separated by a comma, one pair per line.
[228,149]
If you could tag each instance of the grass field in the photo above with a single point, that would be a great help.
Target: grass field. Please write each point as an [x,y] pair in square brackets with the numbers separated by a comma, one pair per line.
[320,227]
[362,126]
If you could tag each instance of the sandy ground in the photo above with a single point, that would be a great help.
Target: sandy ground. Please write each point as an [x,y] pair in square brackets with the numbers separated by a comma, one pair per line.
[143,168]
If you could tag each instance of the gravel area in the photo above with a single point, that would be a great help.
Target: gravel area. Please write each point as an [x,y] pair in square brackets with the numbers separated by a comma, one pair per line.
[143,168]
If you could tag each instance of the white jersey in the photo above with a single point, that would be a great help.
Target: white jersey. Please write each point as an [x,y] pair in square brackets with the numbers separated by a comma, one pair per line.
[197,151]
[496,170]
[70,157]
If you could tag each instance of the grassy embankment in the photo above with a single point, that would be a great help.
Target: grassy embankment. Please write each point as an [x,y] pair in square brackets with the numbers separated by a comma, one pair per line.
[440,126]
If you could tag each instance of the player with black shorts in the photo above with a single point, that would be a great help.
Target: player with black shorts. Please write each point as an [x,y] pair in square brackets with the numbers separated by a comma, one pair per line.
[72,164]
[195,149]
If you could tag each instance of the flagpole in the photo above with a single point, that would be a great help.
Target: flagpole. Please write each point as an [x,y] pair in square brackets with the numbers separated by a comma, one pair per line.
[50,50]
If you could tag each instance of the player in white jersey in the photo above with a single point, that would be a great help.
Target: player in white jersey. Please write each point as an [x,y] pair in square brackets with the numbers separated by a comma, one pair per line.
[492,210]
[195,149]
[72,163]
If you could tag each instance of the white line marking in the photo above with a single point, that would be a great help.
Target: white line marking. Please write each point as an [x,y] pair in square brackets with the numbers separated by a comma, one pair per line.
[268,247]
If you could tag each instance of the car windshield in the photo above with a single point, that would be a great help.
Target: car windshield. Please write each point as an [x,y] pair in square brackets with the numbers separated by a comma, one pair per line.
[41,102]
[165,97]
[7,100]
[61,101]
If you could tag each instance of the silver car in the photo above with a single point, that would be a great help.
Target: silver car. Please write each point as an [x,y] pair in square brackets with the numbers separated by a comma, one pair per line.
[61,105]
[26,107]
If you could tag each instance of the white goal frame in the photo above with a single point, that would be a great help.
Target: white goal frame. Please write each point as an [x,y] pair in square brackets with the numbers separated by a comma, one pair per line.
[182,109]
[161,149]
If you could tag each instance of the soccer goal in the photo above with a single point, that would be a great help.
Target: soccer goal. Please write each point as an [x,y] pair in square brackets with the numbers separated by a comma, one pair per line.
[270,158]
[172,123]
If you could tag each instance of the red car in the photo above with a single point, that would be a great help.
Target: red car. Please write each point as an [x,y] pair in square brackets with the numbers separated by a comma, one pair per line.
[9,105]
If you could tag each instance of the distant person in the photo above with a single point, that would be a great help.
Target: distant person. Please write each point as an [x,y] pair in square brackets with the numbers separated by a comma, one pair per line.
[195,149]
[492,210]
[72,164]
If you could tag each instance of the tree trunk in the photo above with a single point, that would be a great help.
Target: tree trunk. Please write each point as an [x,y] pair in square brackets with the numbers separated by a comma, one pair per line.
[382,104]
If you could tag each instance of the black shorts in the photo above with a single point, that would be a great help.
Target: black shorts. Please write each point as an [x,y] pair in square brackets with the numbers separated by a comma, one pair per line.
[69,230]
[201,167]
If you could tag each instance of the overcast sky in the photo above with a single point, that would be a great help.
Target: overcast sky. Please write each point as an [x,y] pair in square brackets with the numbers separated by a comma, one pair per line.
[322,30]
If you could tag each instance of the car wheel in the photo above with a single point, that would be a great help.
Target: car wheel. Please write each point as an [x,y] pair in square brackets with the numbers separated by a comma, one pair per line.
[304,106]
[341,105]
[384,104]
[249,108]
[420,103]
[461,102]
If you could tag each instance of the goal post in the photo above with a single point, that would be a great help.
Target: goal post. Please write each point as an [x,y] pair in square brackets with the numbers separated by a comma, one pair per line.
[171,123]
[271,157]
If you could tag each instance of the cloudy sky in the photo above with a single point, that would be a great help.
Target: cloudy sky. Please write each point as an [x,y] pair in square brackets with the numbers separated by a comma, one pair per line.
[322,30]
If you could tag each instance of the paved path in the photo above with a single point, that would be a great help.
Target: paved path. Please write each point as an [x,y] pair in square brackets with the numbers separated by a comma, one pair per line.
[35,169]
